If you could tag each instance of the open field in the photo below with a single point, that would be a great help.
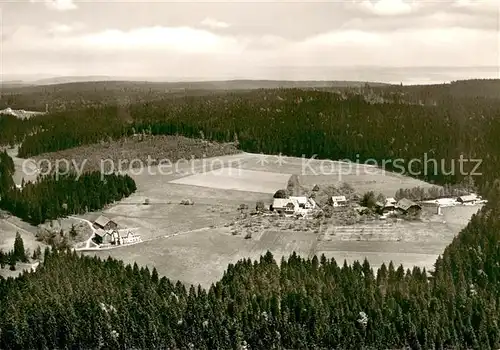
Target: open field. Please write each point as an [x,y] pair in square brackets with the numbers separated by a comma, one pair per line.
[25,168]
[201,257]
[195,243]
[9,225]
[238,179]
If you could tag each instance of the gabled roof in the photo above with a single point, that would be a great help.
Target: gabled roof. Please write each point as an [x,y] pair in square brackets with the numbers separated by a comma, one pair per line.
[101,233]
[125,234]
[339,199]
[406,204]
[102,221]
[468,198]
[300,200]
[389,203]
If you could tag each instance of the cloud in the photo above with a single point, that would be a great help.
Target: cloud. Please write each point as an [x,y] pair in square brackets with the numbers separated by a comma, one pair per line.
[58,5]
[428,40]
[213,23]
[158,39]
[476,4]
[55,28]
[386,7]
[347,37]
[442,18]
[178,39]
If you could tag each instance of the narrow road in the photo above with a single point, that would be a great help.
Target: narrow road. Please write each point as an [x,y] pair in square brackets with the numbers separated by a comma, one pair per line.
[88,241]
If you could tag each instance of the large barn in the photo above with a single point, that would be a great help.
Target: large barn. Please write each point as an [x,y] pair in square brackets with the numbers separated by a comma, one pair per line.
[407,206]
[104,223]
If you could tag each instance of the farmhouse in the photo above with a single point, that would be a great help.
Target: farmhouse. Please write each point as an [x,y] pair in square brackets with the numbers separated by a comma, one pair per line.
[285,205]
[104,223]
[469,199]
[304,202]
[293,205]
[102,237]
[128,238]
[339,201]
[407,206]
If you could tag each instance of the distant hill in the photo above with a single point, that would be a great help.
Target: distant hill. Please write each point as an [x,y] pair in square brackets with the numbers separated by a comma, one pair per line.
[205,85]
[14,84]
[71,79]
[473,88]
[72,95]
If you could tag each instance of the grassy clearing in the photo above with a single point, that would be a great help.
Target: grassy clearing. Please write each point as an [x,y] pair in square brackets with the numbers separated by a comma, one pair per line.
[9,226]
[238,179]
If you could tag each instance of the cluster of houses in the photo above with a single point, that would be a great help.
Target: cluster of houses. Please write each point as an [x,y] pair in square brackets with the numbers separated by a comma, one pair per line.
[304,205]
[406,206]
[107,233]
[403,206]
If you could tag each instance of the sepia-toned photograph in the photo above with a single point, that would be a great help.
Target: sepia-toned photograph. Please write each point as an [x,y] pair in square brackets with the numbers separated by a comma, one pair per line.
[250,175]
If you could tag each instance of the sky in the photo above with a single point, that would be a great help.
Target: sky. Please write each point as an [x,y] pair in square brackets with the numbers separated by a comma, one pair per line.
[383,40]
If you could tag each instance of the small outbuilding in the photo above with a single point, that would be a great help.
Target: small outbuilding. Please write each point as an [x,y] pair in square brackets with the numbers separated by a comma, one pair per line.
[339,201]
[468,199]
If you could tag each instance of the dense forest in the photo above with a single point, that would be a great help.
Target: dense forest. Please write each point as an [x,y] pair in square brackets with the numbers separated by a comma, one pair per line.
[82,302]
[58,195]
[333,125]
[70,95]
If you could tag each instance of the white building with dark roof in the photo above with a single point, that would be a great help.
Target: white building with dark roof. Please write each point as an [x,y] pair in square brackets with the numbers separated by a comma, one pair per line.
[339,201]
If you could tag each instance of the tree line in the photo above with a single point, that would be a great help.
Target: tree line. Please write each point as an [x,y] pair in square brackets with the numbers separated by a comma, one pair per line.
[58,195]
